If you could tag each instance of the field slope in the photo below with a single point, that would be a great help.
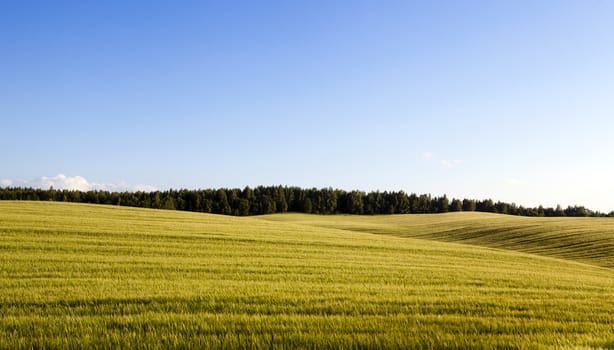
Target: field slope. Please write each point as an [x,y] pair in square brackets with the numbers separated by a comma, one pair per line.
[74,276]
[586,240]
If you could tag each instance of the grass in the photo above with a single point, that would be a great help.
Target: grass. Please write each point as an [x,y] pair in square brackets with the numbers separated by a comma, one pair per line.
[586,240]
[74,276]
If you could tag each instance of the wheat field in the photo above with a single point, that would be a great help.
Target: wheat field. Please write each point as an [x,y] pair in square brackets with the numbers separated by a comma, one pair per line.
[86,276]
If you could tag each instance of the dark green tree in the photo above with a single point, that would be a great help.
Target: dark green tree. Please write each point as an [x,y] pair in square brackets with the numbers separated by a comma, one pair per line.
[221,205]
[243,208]
[443,204]
[469,205]
[404,206]
[456,205]
[307,206]
[169,203]
[354,203]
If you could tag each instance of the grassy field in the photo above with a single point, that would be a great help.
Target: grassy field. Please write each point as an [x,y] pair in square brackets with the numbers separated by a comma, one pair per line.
[74,276]
[587,240]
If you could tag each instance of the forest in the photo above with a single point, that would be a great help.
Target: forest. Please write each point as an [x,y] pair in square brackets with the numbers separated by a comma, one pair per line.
[279,199]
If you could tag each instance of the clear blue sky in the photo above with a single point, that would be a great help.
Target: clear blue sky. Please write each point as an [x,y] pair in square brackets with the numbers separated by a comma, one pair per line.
[510,100]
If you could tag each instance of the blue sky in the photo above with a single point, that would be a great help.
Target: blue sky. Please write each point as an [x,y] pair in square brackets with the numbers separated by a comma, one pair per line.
[510,100]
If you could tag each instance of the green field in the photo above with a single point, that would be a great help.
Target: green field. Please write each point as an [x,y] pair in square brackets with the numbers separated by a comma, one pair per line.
[74,276]
[587,240]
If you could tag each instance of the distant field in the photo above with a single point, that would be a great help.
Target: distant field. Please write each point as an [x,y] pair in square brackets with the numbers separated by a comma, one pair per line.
[74,275]
[587,240]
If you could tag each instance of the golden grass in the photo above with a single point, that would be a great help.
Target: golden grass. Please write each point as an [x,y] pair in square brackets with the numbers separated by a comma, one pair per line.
[76,276]
[586,240]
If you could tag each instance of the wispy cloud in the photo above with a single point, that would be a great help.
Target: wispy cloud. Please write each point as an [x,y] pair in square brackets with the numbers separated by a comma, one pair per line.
[446,163]
[79,183]
[514,182]
[450,163]
[427,155]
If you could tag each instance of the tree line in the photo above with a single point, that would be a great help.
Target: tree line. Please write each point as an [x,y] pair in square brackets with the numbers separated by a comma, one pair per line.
[280,199]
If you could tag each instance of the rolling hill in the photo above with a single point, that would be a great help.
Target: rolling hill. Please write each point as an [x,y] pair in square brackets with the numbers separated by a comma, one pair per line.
[74,276]
[586,240]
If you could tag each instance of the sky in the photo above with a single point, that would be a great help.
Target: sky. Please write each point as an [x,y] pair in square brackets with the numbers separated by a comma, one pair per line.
[509,100]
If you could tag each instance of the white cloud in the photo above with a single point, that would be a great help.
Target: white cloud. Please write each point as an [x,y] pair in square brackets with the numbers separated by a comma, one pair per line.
[427,155]
[450,163]
[514,182]
[63,182]
[144,188]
